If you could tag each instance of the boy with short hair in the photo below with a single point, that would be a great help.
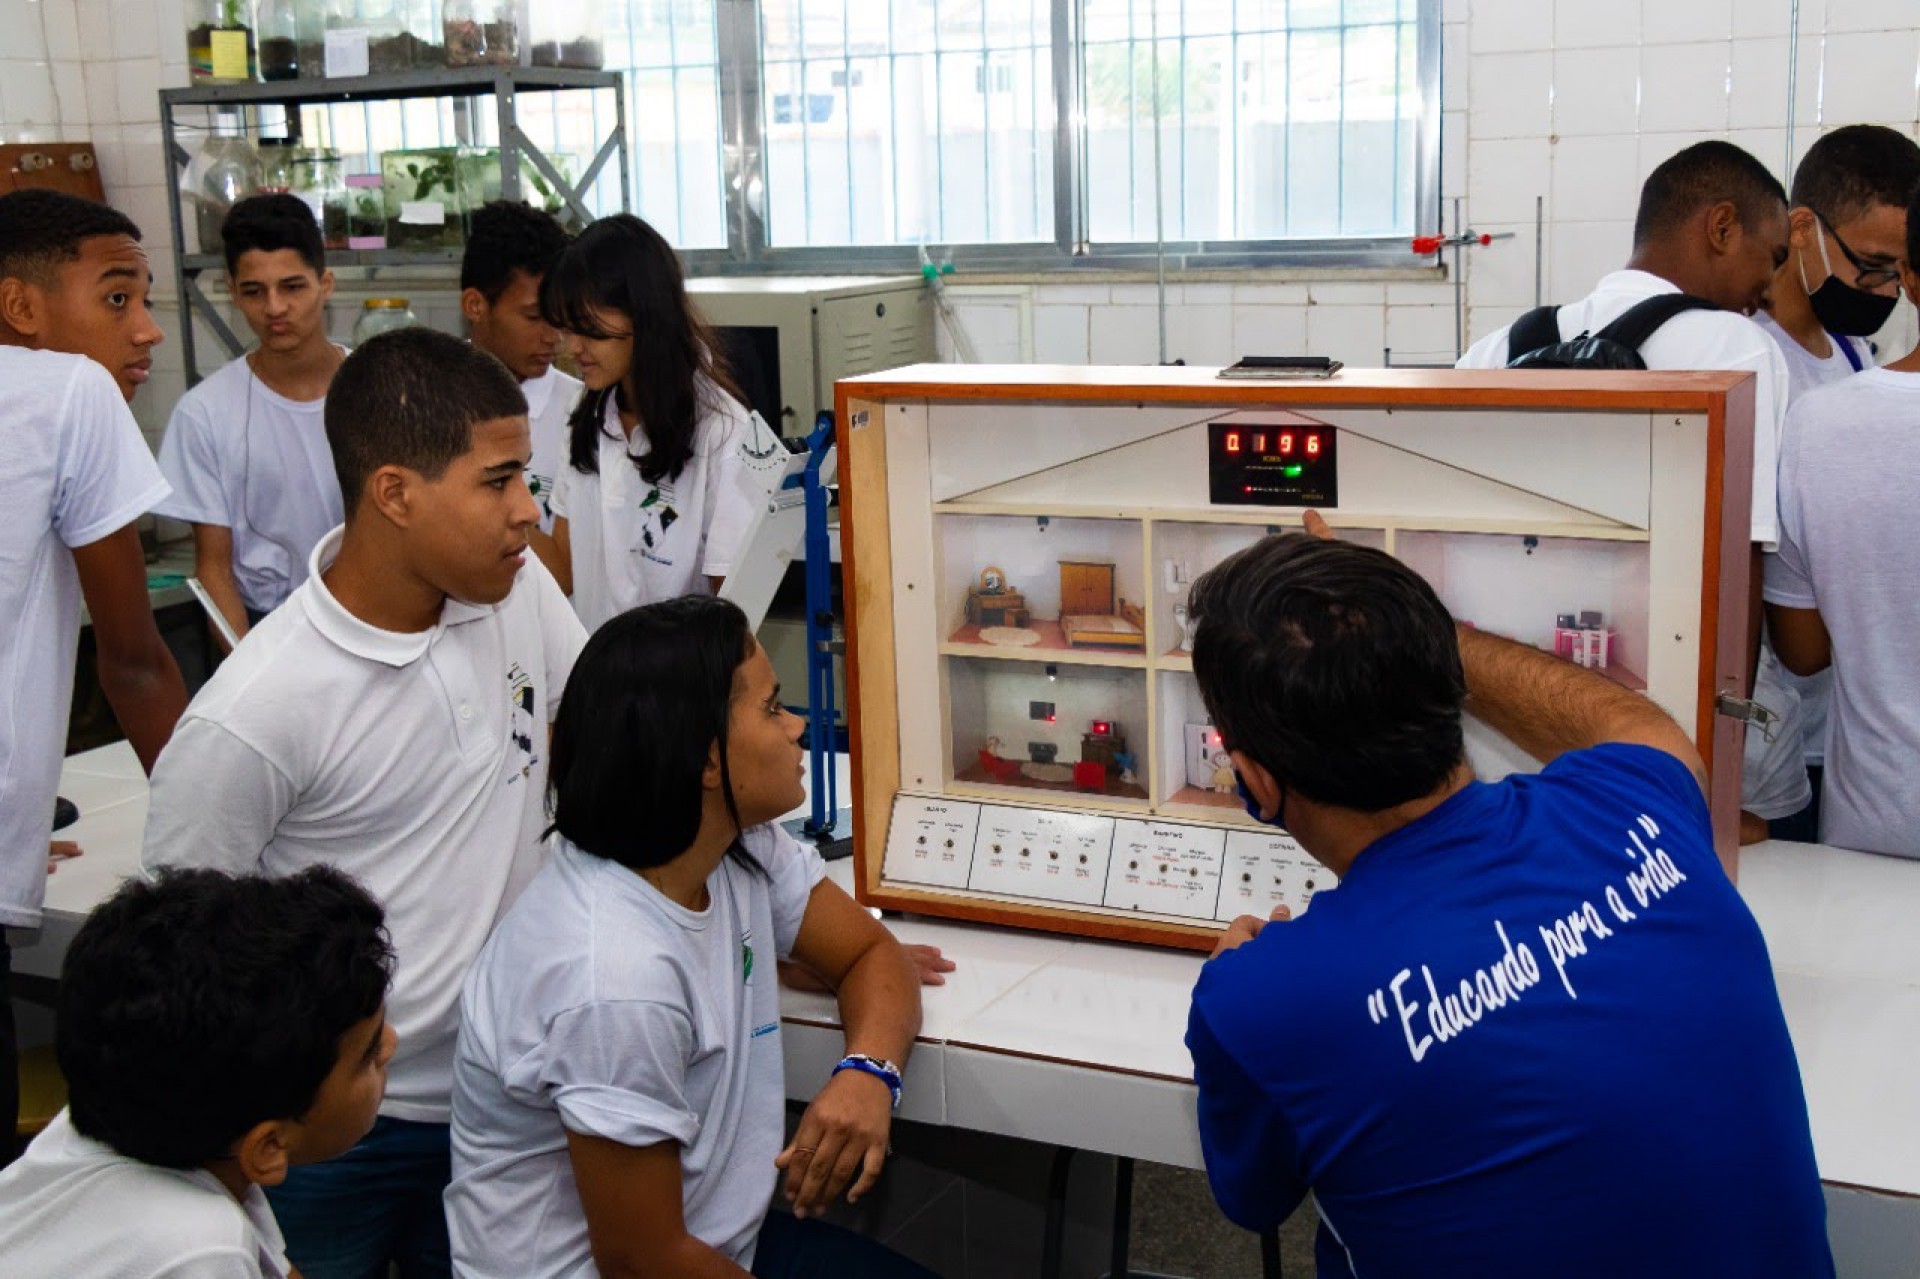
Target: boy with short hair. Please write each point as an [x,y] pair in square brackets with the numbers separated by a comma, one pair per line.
[246,450]
[509,252]
[214,1032]
[75,476]
[391,720]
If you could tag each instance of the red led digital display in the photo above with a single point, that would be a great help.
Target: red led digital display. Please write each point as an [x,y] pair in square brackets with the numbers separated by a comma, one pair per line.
[1285,443]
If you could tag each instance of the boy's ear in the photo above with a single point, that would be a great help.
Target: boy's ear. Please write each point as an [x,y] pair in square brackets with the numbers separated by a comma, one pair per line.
[389,490]
[264,1153]
[473,305]
[21,305]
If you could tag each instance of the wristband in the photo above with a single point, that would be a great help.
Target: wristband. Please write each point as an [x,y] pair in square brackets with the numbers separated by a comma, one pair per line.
[885,1071]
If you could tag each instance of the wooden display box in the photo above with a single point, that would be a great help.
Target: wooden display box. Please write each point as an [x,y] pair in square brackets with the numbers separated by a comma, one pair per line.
[1522,497]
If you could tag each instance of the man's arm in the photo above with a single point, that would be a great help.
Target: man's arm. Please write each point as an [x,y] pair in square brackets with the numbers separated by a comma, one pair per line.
[636,1225]
[1252,1158]
[213,565]
[1548,706]
[137,672]
[844,1130]
[1800,639]
[215,801]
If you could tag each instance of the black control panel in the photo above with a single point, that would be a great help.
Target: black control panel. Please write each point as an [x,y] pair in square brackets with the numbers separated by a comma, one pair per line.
[1281,464]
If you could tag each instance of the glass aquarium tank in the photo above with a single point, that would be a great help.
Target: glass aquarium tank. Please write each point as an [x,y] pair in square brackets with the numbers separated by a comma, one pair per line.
[424,207]
[366,212]
[479,182]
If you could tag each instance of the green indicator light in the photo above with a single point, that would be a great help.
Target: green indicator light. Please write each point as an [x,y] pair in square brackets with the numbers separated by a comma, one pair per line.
[1293,472]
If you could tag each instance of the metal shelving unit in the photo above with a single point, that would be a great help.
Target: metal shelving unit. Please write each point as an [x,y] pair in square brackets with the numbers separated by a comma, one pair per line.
[502,84]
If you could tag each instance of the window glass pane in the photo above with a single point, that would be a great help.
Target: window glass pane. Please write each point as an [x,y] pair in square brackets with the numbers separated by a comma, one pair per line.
[1277,118]
[673,115]
[910,121]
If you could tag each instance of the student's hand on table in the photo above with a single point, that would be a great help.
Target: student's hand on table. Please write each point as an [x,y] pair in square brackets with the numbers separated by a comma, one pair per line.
[60,850]
[928,962]
[1245,929]
[843,1133]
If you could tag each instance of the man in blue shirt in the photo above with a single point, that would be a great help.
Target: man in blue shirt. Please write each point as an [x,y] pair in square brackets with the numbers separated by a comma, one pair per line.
[1534,1031]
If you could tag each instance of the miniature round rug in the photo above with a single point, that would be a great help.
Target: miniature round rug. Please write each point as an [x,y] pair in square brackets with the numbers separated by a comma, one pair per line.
[1009,636]
[1047,772]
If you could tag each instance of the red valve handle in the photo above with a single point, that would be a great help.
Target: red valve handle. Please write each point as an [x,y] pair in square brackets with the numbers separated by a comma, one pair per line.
[1424,244]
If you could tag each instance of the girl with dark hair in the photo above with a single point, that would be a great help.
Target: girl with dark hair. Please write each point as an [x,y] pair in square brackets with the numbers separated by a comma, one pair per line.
[618,1084]
[654,500]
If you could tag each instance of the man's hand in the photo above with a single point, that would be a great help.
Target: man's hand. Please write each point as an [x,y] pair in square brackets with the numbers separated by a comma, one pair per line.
[1246,928]
[59,851]
[1318,526]
[844,1132]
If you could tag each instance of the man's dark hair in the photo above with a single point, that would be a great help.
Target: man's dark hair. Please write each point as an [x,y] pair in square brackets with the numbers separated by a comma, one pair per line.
[1849,171]
[508,237]
[650,695]
[1704,174]
[196,1005]
[1333,665]
[270,223]
[39,230]
[412,398]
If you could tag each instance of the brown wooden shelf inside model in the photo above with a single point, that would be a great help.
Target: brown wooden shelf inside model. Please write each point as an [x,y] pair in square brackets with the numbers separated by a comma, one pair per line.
[976,775]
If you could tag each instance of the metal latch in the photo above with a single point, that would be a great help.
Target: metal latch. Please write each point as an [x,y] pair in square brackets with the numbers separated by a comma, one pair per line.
[1748,711]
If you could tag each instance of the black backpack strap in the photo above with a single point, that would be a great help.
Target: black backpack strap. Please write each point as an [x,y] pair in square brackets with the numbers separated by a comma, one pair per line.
[1534,331]
[1640,321]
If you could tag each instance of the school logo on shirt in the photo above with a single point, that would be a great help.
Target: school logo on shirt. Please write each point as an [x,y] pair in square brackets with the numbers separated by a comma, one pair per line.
[520,720]
[541,486]
[657,515]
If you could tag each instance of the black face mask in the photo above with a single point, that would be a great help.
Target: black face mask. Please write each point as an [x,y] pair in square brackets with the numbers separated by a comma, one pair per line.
[1842,309]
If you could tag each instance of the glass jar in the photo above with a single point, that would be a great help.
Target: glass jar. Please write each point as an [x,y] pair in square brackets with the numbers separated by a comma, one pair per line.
[279,39]
[276,165]
[481,33]
[425,26]
[318,176]
[567,33]
[220,45]
[225,171]
[382,315]
[422,194]
[367,37]
[366,212]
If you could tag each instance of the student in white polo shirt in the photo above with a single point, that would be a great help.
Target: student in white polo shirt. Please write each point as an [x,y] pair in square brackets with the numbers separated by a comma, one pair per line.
[1712,223]
[246,450]
[1839,287]
[391,720]
[619,1097]
[75,343]
[655,500]
[510,249]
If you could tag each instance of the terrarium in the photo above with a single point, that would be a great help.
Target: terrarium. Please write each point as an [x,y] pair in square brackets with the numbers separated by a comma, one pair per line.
[424,209]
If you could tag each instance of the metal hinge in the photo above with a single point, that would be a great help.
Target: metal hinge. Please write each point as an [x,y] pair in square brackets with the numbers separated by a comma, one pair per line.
[1748,711]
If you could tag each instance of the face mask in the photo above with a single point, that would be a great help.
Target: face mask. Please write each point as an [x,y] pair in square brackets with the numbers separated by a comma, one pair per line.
[1842,309]
[1279,818]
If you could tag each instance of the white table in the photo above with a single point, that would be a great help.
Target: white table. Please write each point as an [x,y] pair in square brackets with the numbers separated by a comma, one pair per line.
[1079,1043]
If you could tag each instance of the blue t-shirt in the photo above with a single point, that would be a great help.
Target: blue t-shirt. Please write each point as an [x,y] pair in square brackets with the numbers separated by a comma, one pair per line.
[1534,1032]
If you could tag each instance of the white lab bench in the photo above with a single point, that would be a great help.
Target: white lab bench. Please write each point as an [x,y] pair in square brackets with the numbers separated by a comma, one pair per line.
[1079,1043]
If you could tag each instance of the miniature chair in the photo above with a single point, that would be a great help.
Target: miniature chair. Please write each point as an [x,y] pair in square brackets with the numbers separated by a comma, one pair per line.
[43,1092]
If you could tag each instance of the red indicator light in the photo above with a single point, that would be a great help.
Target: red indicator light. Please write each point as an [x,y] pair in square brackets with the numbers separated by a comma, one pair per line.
[1101,728]
[1233,441]
[1313,446]
[1286,444]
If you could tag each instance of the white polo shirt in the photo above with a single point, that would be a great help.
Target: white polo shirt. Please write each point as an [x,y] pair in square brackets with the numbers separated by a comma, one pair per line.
[74,1206]
[603,1007]
[417,763]
[635,542]
[73,469]
[244,457]
[1691,341]
[550,401]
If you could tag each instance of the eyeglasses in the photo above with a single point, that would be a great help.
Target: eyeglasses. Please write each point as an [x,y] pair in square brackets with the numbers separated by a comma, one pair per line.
[1871,275]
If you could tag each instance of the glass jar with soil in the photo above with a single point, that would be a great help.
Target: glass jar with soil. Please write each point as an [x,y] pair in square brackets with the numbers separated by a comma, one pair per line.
[220,41]
[481,33]
[366,212]
[567,33]
[224,171]
[279,34]
[318,177]
[424,210]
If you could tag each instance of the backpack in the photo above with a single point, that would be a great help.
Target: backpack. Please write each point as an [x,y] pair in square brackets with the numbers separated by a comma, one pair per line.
[1534,340]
